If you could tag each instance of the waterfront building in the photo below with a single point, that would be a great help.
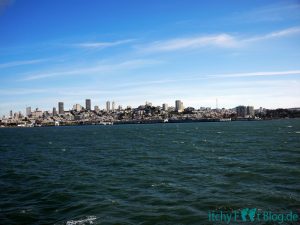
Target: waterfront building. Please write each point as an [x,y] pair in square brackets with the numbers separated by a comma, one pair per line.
[179,106]
[28,111]
[165,107]
[61,108]
[250,111]
[88,104]
[108,106]
[119,107]
[10,114]
[241,111]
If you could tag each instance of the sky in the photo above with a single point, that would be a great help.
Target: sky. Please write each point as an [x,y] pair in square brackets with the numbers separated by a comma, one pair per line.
[132,51]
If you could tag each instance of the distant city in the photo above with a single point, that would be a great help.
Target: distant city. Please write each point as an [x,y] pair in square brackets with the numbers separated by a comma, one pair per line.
[146,113]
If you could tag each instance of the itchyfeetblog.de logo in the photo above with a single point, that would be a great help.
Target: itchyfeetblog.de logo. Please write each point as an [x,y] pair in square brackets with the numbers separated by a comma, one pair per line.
[252,215]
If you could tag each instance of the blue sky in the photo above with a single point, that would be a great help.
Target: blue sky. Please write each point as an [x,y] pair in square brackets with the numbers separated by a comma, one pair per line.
[240,52]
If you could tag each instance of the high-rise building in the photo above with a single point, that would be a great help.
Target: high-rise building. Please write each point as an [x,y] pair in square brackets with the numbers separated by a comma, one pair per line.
[113,106]
[96,108]
[88,104]
[250,111]
[28,111]
[108,106]
[54,112]
[11,114]
[241,111]
[61,108]
[179,106]
[77,107]
[165,107]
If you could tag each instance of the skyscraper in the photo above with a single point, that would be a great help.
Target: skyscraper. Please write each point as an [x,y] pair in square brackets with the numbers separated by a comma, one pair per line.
[10,113]
[88,104]
[165,107]
[108,106]
[113,106]
[250,111]
[61,108]
[179,106]
[54,112]
[28,111]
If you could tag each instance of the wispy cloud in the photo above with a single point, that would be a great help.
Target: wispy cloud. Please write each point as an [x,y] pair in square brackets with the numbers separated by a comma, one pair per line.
[276,34]
[219,40]
[92,69]
[21,63]
[101,45]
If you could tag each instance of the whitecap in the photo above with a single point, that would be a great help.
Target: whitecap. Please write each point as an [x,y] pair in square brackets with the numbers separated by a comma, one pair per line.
[88,220]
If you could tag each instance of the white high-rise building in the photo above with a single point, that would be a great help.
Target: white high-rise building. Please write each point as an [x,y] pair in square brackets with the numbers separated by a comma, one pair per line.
[77,107]
[113,106]
[165,107]
[28,111]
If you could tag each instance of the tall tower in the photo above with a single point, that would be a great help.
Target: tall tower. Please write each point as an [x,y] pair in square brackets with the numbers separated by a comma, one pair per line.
[54,112]
[179,106]
[28,111]
[113,106]
[108,106]
[61,108]
[88,104]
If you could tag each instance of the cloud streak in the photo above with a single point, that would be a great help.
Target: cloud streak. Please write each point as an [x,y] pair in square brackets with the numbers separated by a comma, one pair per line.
[101,45]
[87,70]
[219,40]
[21,63]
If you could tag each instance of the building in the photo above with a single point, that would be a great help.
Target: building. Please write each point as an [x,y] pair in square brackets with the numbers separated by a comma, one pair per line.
[179,106]
[88,104]
[96,108]
[54,112]
[37,113]
[10,114]
[28,111]
[241,111]
[113,106]
[77,107]
[108,106]
[61,108]
[250,111]
[165,107]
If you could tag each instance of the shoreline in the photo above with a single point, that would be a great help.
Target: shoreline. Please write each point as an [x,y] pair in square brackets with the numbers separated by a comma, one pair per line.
[207,120]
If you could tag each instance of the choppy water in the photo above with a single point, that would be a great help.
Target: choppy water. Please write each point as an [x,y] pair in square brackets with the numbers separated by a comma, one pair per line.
[147,174]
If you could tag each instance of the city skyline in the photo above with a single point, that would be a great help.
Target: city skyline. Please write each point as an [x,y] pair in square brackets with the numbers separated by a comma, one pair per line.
[133,51]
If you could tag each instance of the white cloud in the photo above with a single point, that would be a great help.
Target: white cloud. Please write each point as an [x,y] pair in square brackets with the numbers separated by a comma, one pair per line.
[276,34]
[92,69]
[21,63]
[219,40]
[101,45]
